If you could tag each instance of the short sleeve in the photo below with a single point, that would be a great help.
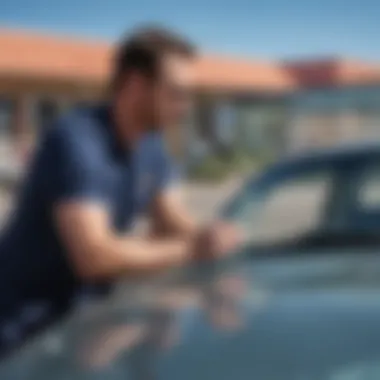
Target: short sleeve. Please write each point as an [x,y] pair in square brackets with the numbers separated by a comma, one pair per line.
[67,161]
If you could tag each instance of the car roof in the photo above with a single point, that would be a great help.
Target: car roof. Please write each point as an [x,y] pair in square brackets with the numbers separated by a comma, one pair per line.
[331,154]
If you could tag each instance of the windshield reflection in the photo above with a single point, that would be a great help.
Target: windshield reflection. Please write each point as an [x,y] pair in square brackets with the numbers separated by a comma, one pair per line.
[312,316]
[139,344]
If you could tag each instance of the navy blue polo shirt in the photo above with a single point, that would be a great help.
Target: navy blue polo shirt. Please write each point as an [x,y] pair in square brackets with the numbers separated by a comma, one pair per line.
[80,158]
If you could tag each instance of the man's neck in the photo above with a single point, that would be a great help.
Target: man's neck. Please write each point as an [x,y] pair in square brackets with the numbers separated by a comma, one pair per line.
[128,129]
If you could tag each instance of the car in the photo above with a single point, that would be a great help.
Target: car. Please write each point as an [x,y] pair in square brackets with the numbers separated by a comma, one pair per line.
[300,300]
[327,197]
[313,317]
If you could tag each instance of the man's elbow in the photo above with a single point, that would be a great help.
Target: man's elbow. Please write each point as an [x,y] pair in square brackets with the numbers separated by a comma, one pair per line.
[90,264]
[88,272]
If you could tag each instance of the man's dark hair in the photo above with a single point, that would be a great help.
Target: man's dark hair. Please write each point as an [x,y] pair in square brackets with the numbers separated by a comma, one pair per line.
[143,50]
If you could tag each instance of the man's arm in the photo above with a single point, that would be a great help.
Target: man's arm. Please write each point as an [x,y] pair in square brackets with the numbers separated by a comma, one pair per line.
[78,197]
[96,252]
[69,170]
[169,216]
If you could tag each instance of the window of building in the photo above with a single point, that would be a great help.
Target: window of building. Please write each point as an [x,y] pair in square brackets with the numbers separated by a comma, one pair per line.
[204,128]
[7,108]
[369,122]
[369,192]
[226,123]
[205,119]
[45,112]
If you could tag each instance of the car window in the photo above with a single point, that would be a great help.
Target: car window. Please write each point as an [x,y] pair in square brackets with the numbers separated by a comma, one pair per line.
[288,208]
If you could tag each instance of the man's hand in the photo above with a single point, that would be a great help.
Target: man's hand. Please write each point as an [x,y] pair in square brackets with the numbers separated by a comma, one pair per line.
[169,217]
[96,252]
[218,240]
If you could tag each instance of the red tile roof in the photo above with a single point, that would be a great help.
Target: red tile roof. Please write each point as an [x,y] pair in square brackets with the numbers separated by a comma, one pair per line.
[32,55]
[39,56]
[42,56]
[332,72]
[228,73]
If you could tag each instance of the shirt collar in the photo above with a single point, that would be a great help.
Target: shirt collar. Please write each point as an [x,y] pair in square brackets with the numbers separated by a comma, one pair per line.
[108,126]
[150,141]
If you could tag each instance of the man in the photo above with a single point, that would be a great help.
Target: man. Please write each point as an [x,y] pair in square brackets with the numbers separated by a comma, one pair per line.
[92,174]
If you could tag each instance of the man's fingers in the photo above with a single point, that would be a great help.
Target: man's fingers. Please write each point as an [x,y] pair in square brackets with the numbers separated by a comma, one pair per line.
[226,238]
[219,240]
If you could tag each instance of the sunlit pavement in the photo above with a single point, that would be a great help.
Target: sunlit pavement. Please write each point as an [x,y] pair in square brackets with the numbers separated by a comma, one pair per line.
[203,200]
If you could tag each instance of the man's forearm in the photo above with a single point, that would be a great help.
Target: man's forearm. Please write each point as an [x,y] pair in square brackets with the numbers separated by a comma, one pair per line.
[119,256]
[169,217]
[96,251]
[187,229]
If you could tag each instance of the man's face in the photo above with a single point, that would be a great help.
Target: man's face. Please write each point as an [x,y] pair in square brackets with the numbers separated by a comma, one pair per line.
[171,101]
[163,101]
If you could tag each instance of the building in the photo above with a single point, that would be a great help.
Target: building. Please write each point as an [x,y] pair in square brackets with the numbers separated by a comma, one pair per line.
[256,105]
[336,101]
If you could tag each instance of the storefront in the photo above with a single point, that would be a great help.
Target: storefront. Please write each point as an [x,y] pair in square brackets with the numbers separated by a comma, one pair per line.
[333,115]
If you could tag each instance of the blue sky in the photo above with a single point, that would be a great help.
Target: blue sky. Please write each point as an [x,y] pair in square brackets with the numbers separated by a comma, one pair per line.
[268,29]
